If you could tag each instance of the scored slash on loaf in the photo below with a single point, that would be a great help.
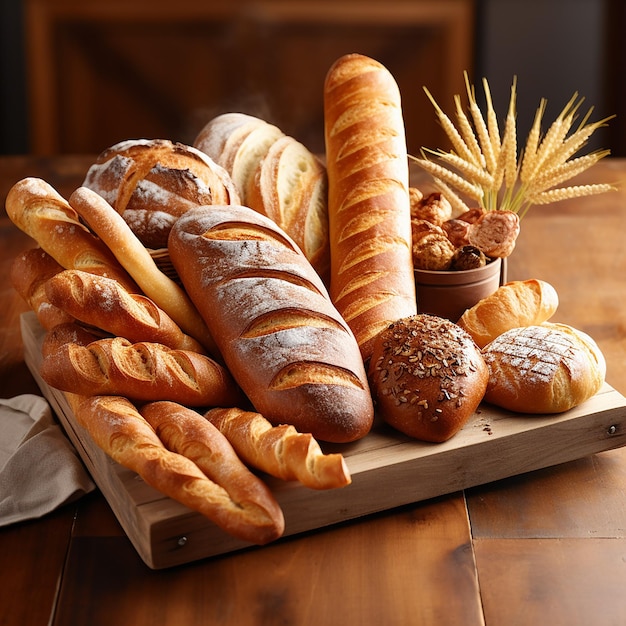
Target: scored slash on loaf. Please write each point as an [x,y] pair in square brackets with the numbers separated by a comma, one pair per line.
[141,371]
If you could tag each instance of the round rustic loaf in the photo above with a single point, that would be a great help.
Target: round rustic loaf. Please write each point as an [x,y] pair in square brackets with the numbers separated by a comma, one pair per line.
[547,368]
[152,182]
[427,377]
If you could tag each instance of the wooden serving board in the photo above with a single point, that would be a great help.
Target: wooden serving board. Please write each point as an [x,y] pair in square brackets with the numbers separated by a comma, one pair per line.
[388,470]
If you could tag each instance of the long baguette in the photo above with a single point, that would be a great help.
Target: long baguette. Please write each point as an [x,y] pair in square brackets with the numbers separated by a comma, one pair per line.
[186,432]
[280,451]
[141,371]
[135,258]
[372,281]
[36,208]
[104,303]
[118,428]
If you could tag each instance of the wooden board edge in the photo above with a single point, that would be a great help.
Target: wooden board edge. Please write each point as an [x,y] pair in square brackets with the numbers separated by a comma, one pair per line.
[166,534]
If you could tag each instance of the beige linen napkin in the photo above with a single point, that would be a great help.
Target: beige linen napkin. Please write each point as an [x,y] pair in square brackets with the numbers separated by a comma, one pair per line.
[39,467]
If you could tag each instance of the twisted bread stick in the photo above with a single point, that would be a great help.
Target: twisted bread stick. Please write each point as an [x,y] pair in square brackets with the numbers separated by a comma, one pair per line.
[280,451]
[121,432]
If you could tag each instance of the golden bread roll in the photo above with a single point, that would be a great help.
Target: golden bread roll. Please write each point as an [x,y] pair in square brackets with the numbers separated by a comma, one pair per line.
[276,327]
[543,369]
[36,208]
[151,182]
[118,428]
[140,371]
[372,281]
[134,256]
[280,451]
[103,303]
[186,432]
[29,274]
[515,304]
[427,377]
[495,233]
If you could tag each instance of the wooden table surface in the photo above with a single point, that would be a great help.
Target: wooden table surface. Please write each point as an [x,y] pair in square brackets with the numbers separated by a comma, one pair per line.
[547,547]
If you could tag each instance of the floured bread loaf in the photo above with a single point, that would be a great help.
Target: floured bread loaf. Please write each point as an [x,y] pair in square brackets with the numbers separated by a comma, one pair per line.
[150,183]
[543,369]
[280,335]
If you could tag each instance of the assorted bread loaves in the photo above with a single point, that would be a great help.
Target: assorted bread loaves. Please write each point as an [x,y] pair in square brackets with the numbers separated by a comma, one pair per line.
[290,315]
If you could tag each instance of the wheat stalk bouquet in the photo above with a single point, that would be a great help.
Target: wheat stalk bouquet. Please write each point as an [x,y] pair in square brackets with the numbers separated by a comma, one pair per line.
[483,165]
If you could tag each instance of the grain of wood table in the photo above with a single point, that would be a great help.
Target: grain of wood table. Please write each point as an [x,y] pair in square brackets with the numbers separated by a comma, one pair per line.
[546,547]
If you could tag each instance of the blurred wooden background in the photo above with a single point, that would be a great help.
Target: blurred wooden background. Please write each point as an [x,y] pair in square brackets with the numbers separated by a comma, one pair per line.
[79,75]
[102,71]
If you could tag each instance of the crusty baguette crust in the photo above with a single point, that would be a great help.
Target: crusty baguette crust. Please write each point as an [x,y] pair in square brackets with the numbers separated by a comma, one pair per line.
[281,337]
[30,272]
[103,303]
[515,304]
[66,333]
[141,371]
[186,432]
[280,451]
[372,281]
[36,208]
[543,369]
[120,431]
[133,255]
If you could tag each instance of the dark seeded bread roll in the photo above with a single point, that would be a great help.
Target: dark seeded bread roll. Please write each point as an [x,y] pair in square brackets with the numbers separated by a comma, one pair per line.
[427,376]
